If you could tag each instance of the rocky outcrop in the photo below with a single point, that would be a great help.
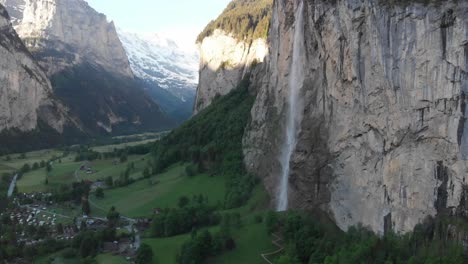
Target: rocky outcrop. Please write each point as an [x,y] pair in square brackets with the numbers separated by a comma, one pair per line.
[25,91]
[224,61]
[63,33]
[382,140]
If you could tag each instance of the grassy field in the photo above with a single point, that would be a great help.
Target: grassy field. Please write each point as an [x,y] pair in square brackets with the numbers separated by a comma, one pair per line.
[16,162]
[246,251]
[140,198]
[165,249]
[108,167]
[251,239]
[64,173]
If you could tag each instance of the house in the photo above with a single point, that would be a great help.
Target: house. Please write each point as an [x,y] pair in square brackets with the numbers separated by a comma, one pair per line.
[142,224]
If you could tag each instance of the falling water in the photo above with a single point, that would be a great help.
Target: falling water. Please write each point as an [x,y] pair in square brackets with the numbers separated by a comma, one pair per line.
[12,186]
[294,110]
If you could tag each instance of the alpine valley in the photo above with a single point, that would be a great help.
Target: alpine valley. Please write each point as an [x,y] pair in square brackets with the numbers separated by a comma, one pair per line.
[288,132]
[100,83]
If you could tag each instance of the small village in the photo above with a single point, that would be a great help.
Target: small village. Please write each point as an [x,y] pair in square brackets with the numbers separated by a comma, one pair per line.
[36,218]
[37,221]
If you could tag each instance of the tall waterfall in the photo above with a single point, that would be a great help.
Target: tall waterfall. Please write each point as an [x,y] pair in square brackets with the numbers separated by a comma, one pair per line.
[295,108]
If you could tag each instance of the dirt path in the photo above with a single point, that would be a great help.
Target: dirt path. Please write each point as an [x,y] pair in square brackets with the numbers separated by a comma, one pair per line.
[275,242]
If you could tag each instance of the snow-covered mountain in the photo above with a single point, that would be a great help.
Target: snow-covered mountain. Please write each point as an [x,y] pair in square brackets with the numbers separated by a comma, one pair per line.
[158,59]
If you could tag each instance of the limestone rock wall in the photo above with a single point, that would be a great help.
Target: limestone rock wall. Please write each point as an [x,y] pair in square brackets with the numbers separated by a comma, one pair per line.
[382,141]
[25,91]
[63,33]
[224,61]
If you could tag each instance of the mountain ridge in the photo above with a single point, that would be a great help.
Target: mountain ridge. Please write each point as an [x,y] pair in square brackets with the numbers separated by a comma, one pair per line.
[168,72]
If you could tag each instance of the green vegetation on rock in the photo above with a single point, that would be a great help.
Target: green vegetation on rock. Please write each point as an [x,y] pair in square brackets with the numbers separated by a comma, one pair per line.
[245,19]
[306,239]
[213,141]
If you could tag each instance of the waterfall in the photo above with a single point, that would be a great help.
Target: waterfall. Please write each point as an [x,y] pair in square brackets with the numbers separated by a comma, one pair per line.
[12,186]
[294,108]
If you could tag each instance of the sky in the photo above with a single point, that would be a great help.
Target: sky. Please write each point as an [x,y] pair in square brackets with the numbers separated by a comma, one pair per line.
[181,20]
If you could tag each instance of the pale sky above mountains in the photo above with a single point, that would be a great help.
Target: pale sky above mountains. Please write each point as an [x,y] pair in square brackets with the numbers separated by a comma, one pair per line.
[180,20]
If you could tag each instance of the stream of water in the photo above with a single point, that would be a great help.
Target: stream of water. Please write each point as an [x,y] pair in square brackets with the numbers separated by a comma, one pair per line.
[294,110]
[12,186]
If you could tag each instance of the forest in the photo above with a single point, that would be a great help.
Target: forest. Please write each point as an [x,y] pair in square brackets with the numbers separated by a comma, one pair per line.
[246,20]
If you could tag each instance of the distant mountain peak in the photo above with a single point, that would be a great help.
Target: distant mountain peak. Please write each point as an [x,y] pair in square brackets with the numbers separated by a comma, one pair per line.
[158,58]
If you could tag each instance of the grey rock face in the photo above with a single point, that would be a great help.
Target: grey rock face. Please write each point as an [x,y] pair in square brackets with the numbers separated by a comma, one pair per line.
[383,140]
[87,65]
[224,61]
[25,91]
[67,32]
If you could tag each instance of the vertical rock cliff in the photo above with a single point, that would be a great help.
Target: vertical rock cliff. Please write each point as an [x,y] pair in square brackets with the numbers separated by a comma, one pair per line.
[382,139]
[70,28]
[224,61]
[229,46]
[87,65]
[25,91]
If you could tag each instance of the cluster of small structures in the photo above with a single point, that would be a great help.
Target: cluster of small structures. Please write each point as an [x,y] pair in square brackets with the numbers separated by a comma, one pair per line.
[124,247]
[37,218]
[37,199]
[86,167]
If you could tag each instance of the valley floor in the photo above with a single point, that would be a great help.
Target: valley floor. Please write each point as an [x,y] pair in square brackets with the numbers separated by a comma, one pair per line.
[137,200]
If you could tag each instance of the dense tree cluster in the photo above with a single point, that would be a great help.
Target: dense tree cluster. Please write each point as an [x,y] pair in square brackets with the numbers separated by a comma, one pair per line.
[74,193]
[105,141]
[245,19]
[144,254]
[87,243]
[308,241]
[84,153]
[203,245]
[195,214]
[203,142]
[113,217]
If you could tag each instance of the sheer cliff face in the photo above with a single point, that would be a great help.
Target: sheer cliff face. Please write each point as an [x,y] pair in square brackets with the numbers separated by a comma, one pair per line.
[224,61]
[86,65]
[24,88]
[70,28]
[382,140]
